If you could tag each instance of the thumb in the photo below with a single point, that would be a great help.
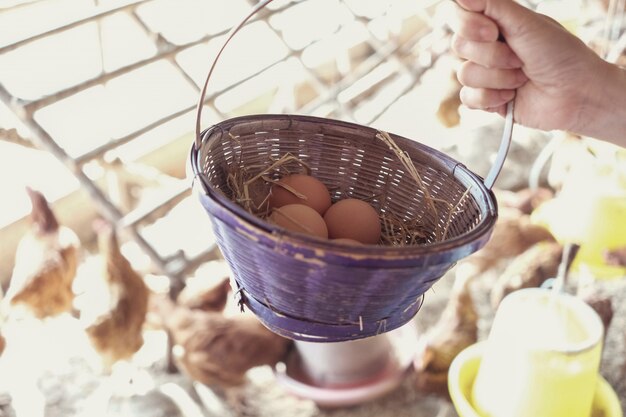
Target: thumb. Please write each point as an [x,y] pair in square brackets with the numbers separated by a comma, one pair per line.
[473,5]
[510,16]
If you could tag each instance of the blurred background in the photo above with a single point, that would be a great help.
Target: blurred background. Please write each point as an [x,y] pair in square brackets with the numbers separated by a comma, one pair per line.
[97,109]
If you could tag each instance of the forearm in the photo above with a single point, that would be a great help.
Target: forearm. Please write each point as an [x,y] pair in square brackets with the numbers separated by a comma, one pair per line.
[605,109]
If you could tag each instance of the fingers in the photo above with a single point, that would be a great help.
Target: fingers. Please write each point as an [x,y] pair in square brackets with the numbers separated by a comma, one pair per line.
[487,54]
[492,71]
[501,110]
[474,26]
[477,76]
[486,99]
[473,5]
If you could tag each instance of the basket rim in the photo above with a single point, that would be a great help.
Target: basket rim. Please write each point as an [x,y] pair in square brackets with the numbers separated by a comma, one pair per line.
[479,234]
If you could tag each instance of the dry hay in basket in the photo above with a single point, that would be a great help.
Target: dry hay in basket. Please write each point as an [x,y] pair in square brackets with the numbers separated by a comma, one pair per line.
[441,231]
[250,185]
[250,188]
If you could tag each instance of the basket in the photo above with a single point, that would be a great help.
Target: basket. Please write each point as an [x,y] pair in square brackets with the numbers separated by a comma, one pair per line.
[310,289]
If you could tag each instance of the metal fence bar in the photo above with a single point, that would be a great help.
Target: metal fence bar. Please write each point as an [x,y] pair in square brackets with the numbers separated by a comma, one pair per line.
[116,143]
[46,142]
[178,265]
[101,11]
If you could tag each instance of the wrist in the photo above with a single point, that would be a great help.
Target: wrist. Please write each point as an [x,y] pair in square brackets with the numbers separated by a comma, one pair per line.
[604,107]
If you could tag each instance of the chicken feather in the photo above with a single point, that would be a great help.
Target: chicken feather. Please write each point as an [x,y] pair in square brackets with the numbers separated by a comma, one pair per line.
[217,350]
[115,328]
[46,261]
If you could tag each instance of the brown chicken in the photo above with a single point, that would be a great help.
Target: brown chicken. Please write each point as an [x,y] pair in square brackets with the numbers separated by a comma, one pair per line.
[209,295]
[456,329]
[204,293]
[116,304]
[448,109]
[45,264]
[512,235]
[217,350]
[531,269]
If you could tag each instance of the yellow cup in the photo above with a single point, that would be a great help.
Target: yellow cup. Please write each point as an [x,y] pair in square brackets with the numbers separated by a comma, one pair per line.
[541,358]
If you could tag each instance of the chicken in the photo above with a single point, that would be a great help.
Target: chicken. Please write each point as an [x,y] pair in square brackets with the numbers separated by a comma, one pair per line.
[216,350]
[45,264]
[114,308]
[531,269]
[512,235]
[456,329]
[205,295]
[448,110]
[207,291]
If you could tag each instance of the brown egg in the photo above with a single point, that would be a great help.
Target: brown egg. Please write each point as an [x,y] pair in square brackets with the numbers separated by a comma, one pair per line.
[345,241]
[300,218]
[310,192]
[353,219]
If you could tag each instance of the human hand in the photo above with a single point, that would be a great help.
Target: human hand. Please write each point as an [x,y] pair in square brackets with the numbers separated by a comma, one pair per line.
[557,82]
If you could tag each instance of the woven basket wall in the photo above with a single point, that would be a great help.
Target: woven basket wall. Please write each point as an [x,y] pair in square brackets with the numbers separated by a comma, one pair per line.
[310,289]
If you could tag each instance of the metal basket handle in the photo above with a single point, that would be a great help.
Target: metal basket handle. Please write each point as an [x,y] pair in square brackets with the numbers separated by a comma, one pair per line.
[505,144]
[261,5]
[493,172]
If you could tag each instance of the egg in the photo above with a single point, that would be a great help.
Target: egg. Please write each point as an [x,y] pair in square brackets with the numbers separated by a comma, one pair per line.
[353,219]
[300,218]
[310,192]
[345,241]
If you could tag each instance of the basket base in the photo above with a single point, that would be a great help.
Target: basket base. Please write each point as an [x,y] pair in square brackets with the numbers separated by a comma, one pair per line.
[297,329]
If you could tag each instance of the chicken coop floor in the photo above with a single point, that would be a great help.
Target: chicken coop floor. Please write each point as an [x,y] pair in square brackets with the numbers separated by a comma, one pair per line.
[72,388]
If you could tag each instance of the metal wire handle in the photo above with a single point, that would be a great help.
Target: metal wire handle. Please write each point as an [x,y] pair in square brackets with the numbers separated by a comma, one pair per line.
[493,172]
[505,144]
[261,5]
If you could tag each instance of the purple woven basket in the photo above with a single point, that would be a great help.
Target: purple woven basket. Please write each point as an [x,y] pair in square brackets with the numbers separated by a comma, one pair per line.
[311,289]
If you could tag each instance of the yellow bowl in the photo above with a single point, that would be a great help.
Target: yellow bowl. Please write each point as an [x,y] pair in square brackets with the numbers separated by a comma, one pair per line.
[463,372]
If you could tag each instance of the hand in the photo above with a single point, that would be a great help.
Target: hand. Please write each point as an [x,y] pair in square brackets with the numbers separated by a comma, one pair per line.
[557,82]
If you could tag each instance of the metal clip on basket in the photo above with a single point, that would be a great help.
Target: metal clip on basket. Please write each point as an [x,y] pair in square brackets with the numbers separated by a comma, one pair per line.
[309,289]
